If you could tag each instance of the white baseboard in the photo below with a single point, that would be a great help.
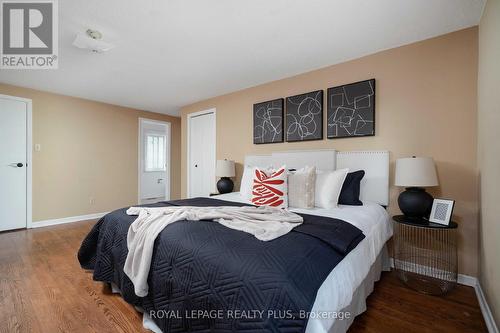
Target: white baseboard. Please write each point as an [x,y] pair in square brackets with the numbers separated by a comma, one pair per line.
[472,281]
[485,309]
[467,280]
[461,278]
[483,304]
[70,219]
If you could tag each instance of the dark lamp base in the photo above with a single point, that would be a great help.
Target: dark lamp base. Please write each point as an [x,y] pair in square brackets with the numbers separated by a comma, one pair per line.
[415,203]
[225,185]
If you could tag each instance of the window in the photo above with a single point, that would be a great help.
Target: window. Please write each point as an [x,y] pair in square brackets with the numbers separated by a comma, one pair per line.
[155,152]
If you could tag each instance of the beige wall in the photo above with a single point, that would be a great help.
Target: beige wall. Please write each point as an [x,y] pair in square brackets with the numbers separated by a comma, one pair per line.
[489,153]
[89,149]
[426,105]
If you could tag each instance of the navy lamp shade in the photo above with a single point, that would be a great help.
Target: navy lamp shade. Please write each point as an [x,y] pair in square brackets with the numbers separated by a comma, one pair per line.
[415,173]
[225,170]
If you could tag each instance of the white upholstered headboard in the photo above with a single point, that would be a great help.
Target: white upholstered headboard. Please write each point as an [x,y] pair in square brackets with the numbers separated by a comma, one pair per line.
[375,183]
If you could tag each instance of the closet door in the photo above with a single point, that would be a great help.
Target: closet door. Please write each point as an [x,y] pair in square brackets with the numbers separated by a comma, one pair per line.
[13,163]
[202,161]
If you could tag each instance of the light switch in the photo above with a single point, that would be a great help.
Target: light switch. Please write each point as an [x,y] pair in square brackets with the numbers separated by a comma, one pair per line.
[38,147]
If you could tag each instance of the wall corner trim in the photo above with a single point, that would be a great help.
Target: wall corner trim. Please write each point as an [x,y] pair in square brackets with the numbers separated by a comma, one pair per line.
[483,304]
[70,219]
[472,281]
[485,309]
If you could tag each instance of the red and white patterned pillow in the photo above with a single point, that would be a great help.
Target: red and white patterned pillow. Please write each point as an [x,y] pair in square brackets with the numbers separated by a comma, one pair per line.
[270,188]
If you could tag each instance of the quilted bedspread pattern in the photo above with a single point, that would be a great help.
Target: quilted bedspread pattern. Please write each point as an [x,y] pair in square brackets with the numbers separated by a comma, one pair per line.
[205,277]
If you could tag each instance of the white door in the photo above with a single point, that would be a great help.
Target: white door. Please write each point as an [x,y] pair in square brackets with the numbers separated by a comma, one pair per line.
[201,154]
[154,161]
[13,159]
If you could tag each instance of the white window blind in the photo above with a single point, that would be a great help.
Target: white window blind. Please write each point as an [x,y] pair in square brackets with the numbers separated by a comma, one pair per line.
[155,152]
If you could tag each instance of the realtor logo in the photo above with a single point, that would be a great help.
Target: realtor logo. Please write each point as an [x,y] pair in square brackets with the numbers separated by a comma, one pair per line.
[29,34]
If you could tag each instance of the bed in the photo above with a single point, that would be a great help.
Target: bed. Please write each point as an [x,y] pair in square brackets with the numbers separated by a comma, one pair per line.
[196,265]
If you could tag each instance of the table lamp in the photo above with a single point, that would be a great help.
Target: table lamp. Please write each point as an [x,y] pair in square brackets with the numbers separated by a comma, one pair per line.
[415,173]
[225,169]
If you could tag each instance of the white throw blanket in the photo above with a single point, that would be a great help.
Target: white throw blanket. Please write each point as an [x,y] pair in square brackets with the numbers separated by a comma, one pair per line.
[265,223]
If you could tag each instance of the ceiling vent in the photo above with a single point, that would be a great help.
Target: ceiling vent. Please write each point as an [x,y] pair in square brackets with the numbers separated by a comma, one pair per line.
[92,40]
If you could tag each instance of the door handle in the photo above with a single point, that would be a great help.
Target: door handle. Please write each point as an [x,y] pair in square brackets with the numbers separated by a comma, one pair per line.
[16,165]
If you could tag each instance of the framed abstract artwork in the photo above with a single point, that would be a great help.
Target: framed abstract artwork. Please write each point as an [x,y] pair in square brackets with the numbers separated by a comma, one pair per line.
[351,110]
[304,117]
[441,212]
[268,122]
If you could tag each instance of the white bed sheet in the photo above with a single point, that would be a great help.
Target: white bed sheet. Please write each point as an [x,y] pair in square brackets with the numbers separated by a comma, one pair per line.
[338,288]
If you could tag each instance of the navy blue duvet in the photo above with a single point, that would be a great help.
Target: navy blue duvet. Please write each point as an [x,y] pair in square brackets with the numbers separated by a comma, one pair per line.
[208,278]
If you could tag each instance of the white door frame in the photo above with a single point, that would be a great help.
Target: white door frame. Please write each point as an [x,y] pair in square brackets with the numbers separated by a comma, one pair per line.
[189,117]
[168,155]
[29,156]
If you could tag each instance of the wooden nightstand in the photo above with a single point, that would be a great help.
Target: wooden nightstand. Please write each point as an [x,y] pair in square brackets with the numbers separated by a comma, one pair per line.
[425,254]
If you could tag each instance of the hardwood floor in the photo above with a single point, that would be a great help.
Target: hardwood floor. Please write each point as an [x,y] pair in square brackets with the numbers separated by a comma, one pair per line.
[394,308]
[43,289]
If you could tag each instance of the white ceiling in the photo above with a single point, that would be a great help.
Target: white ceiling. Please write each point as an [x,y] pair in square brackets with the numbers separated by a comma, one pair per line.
[170,53]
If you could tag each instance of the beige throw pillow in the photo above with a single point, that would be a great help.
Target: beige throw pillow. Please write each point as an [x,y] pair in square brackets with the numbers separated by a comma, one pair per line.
[301,184]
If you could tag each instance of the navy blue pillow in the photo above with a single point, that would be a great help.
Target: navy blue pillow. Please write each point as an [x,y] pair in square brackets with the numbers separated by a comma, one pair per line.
[349,195]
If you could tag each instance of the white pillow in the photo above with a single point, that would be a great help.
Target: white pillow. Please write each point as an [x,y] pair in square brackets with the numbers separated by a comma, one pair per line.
[247,182]
[301,185]
[328,187]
